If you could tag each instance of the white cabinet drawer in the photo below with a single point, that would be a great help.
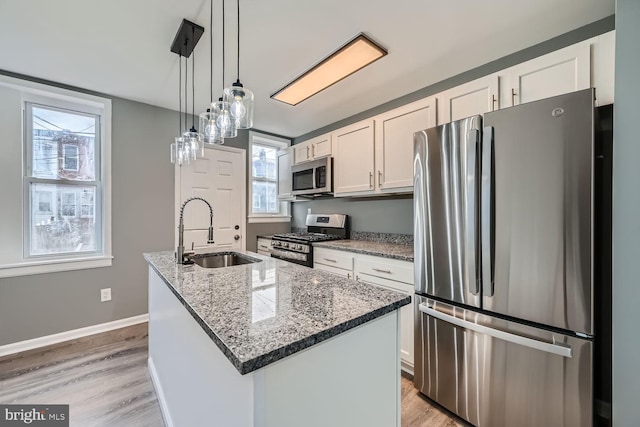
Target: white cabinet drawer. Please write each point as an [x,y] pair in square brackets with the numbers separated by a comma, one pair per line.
[333,258]
[264,245]
[400,271]
[335,270]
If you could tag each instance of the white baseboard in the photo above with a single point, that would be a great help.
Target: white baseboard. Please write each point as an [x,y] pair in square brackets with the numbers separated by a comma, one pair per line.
[164,409]
[34,343]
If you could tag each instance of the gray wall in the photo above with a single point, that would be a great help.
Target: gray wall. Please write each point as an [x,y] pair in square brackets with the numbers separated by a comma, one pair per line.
[384,215]
[626,217]
[142,221]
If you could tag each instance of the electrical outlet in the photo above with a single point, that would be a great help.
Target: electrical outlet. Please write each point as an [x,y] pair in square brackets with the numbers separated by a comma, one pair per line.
[105,294]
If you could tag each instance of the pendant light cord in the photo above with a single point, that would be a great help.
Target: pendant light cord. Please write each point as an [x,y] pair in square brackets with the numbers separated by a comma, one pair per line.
[223,45]
[211,52]
[186,82]
[238,68]
[180,94]
[193,83]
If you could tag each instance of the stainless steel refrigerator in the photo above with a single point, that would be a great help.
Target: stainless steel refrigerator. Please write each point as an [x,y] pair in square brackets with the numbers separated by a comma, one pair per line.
[503,222]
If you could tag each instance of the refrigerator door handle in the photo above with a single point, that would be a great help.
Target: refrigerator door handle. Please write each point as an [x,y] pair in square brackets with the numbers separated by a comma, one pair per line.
[554,348]
[486,235]
[473,138]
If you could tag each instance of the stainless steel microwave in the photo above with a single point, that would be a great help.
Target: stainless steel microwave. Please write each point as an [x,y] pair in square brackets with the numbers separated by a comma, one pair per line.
[312,178]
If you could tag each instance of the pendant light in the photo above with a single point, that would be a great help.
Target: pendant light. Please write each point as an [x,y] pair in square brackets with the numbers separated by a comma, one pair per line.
[225,123]
[239,97]
[210,132]
[192,136]
[180,149]
[188,146]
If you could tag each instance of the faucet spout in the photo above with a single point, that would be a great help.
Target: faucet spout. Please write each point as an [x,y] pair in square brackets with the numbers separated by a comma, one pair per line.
[180,253]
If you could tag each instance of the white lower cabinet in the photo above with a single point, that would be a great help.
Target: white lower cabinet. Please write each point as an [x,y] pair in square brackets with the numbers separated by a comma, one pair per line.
[337,262]
[387,273]
[264,246]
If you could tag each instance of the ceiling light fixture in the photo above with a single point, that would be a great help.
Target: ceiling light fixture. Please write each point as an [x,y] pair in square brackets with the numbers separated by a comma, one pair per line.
[356,54]
[239,97]
[186,147]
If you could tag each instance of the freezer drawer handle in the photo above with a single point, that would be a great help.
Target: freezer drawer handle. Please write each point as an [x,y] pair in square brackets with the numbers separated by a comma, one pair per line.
[559,349]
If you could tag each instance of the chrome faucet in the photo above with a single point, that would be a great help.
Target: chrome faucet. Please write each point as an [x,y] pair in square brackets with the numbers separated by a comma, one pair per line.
[181,255]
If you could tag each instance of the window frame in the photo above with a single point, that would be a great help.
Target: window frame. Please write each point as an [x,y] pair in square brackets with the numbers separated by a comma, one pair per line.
[18,262]
[76,157]
[284,211]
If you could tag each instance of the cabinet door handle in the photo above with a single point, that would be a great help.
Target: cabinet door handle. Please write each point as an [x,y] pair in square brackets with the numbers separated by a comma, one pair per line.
[329,260]
[348,275]
[379,270]
[513,96]
[313,151]
[307,151]
[379,179]
[370,179]
[493,102]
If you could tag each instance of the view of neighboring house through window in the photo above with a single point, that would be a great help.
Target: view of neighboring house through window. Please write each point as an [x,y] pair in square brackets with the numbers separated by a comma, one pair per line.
[63,178]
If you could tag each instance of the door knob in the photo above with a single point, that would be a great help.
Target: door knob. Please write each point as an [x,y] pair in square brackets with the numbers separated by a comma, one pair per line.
[236,237]
[237,227]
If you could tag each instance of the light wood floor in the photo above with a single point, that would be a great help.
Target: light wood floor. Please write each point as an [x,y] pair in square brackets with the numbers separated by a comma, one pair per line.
[105,381]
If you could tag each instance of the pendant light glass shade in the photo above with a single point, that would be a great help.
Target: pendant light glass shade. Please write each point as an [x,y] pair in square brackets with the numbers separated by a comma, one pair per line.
[240,100]
[210,132]
[193,139]
[181,151]
[225,122]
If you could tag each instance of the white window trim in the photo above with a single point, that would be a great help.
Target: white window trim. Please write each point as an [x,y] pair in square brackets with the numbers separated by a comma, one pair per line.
[37,92]
[280,143]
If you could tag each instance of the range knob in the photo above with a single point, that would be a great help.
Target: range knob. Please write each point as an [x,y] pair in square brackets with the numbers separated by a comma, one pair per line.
[275,243]
[285,245]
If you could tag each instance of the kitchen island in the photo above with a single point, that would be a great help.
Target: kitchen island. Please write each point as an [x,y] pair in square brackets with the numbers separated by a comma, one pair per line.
[271,343]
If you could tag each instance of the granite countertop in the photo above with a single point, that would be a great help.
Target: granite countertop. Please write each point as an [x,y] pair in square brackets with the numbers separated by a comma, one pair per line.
[386,250]
[263,312]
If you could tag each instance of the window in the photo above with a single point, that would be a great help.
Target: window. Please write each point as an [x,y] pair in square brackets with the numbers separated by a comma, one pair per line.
[70,159]
[72,179]
[265,206]
[59,217]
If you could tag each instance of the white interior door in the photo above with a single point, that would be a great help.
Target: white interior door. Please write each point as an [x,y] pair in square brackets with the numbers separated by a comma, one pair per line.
[219,178]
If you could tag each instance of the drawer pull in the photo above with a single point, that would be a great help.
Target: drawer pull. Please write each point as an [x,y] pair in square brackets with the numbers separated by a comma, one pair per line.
[264,247]
[379,270]
[329,260]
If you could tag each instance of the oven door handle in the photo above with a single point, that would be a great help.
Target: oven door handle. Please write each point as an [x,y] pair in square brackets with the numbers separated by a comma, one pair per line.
[554,348]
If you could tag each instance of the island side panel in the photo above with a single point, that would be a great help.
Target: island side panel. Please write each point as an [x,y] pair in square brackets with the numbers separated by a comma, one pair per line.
[195,383]
[350,380]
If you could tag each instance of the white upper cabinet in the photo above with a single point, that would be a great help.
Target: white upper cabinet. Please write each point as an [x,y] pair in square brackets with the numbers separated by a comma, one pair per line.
[284,174]
[394,143]
[476,97]
[563,71]
[312,149]
[353,164]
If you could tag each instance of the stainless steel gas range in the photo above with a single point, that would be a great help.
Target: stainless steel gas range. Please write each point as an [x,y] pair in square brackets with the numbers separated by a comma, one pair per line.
[297,247]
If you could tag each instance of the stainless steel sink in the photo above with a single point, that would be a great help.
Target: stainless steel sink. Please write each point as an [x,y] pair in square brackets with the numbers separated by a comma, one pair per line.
[222,259]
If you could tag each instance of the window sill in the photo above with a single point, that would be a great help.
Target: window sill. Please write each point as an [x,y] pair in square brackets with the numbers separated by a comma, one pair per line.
[267,219]
[28,268]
